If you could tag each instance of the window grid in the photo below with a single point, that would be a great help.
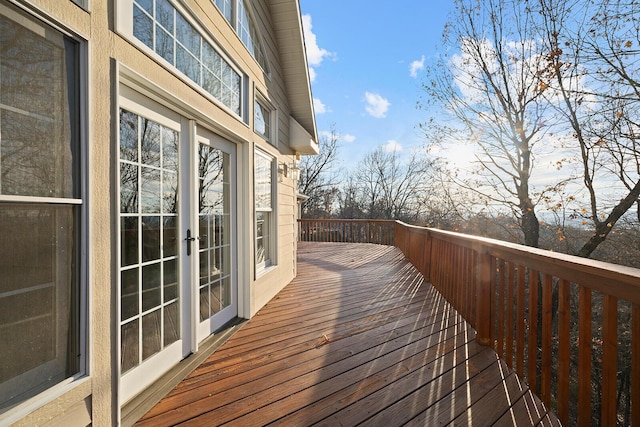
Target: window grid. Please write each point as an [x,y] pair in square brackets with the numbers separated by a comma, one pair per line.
[148,249]
[161,27]
[245,28]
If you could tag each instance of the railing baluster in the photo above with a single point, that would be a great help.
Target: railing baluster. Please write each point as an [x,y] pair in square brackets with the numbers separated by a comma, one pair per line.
[547,318]
[635,365]
[500,307]
[584,358]
[532,335]
[520,323]
[509,307]
[564,329]
[609,359]
[485,297]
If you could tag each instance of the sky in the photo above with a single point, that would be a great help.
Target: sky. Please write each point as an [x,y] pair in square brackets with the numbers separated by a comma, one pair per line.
[367,66]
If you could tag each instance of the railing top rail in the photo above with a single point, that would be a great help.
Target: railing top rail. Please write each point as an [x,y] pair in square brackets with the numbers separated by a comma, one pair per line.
[612,279]
[346,220]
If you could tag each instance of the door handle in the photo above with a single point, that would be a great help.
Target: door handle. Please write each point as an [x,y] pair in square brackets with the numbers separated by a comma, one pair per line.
[189,239]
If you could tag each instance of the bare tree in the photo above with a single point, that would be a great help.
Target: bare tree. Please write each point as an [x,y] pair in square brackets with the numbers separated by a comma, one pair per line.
[592,70]
[491,88]
[389,187]
[319,179]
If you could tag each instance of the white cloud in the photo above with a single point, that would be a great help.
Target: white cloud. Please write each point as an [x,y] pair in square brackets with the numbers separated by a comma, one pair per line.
[341,136]
[315,54]
[312,75]
[377,106]
[416,66]
[347,137]
[392,146]
[319,107]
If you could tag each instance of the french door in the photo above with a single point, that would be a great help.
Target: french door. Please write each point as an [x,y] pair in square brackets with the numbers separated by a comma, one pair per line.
[177,238]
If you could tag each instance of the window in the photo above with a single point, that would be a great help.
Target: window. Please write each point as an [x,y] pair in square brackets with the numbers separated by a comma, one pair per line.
[41,208]
[161,27]
[263,164]
[244,26]
[262,120]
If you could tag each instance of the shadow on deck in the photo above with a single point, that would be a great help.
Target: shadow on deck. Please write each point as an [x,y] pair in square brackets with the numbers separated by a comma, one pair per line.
[357,338]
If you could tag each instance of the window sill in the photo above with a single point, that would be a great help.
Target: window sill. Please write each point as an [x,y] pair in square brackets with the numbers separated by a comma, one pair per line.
[263,271]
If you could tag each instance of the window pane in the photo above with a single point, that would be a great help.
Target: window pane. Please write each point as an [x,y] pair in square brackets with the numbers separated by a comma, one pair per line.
[128,241]
[186,63]
[170,280]
[150,286]
[170,241]
[128,136]
[164,45]
[248,33]
[261,121]
[204,303]
[225,8]
[171,324]
[150,238]
[150,190]
[142,26]
[38,298]
[128,188]
[129,349]
[151,338]
[37,100]
[165,15]
[188,36]
[129,289]
[262,182]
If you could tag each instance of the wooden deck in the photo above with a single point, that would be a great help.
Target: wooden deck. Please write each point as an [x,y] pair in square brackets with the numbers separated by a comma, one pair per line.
[357,338]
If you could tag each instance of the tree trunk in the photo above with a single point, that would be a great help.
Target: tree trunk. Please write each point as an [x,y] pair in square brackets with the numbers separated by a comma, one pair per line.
[530,227]
[604,228]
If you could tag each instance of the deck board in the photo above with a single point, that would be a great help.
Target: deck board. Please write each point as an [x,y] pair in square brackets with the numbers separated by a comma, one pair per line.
[357,338]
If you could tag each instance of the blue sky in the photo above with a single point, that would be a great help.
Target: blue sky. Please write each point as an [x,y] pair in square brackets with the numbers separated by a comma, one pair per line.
[365,64]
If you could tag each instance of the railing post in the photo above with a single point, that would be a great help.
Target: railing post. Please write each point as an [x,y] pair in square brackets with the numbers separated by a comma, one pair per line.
[426,258]
[484,312]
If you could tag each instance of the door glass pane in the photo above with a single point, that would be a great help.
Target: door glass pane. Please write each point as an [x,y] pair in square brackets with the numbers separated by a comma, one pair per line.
[149,290]
[151,337]
[214,200]
[129,348]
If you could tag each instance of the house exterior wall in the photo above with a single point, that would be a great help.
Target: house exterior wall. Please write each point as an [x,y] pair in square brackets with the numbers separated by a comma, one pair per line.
[110,60]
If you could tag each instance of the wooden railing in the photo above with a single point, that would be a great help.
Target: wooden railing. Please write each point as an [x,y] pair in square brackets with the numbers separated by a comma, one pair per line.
[381,232]
[569,326]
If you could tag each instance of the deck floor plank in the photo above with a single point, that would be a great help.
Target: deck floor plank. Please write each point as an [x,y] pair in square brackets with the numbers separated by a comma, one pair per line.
[357,338]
